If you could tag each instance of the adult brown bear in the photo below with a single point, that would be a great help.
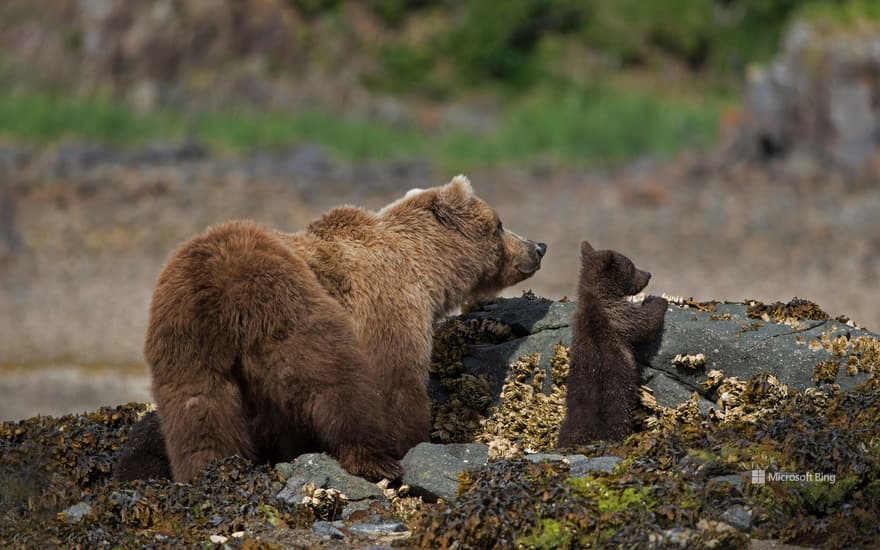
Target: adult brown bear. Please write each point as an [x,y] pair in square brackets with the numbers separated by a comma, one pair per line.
[268,344]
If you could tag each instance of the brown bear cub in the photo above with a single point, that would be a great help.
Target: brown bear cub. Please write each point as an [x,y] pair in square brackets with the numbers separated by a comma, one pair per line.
[268,345]
[603,378]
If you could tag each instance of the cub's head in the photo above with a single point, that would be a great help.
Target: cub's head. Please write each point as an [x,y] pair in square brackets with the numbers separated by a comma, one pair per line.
[610,274]
[467,236]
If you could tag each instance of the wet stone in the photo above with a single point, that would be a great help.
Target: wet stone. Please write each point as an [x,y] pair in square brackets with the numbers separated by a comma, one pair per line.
[581,465]
[736,480]
[77,512]
[328,529]
[324,472]
[432,470]
[378,529]
[738,516]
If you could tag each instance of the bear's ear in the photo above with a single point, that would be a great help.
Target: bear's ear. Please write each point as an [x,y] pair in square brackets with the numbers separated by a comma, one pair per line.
[448,214]
[460,187]
[452,201]
[586,248]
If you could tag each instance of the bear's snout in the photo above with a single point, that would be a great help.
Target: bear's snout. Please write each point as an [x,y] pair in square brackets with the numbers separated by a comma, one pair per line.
[530,256]
[541,249]
[641,280]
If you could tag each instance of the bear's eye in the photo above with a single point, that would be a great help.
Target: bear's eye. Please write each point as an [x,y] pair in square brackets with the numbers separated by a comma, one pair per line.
[500,227]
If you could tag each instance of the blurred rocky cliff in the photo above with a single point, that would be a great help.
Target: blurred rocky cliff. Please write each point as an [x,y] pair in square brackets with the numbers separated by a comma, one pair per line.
[155,53]
[818,101]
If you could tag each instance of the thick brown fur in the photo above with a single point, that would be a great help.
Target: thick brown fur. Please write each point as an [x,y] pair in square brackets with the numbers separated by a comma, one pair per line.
[603,378]
[268,344]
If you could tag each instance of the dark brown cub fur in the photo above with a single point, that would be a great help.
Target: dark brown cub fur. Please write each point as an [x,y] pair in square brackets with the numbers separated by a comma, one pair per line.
[603,379]
[143,456]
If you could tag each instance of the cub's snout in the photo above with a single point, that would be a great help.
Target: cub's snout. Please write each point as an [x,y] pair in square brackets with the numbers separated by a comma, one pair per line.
[640,281]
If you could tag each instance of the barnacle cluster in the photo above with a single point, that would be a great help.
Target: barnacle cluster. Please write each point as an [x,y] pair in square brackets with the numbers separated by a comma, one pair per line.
[457,419]
[689,360]
[790,313]
[860,353]
[326,504]
[528,418]
[720,317]
[826,371]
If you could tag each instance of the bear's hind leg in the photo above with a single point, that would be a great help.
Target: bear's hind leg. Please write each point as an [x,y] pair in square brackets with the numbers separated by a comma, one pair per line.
[202,424]
[316,377]
[352,430]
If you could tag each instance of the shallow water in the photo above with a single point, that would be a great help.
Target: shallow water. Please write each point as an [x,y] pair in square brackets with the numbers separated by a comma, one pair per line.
[64,389]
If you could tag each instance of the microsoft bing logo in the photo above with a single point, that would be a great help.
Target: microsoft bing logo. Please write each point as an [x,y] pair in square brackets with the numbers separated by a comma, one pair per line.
[761,477]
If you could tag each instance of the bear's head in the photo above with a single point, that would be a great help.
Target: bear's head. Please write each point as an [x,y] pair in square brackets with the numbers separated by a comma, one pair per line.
[610,274]
[467,236]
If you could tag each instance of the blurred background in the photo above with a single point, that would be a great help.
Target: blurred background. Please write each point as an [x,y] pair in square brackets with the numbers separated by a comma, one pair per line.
[731,147]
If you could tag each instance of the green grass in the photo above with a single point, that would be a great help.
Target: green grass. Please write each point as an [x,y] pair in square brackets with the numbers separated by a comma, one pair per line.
[600,126]
[593,126]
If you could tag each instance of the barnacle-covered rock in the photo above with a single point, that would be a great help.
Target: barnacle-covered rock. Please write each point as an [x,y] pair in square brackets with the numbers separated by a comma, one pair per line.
[787,313]
[692,475]
[527,417]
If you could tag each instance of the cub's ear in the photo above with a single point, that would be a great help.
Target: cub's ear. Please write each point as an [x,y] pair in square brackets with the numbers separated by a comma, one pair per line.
[586,248]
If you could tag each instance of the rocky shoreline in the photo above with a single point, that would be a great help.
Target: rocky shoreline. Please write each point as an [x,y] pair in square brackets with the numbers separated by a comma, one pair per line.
[730,389]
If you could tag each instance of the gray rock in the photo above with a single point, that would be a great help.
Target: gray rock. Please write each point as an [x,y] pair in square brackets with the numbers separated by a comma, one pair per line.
[491,360]
[547,457]
[328,530]
[324,472]
[13,159]
[77,512]
[168,154]
[531,317]
[579,465]
[743,352]
[582,466]
[738,516]
[378,529]
[360,505]
[668,391]
[740,346]
[285,469]
[736,480]
[432,470]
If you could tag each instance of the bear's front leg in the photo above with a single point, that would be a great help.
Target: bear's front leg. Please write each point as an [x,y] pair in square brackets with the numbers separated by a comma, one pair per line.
[648,320]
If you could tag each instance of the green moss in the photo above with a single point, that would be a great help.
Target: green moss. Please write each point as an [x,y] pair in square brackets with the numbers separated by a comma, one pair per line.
[610,498]
[821,497]
[549,534]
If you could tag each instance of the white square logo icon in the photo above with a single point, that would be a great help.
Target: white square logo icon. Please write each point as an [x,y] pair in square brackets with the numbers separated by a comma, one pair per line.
[759,477]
